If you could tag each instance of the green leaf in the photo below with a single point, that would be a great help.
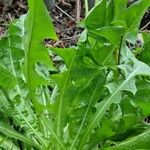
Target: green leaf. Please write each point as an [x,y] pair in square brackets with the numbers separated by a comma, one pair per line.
[7,144]
[38,26]
[64,79]
[49,127]
[137,10]
[112,33]
[99,97]
[90,94]
[142,96]
[114,9]
[96,18]
[145,55]
[141,141]
[139,68]
[7,80]
[14,134]
[120,6]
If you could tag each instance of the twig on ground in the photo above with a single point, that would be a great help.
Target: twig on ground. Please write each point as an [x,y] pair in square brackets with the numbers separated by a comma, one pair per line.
[65,13]
[145,26]
[78,4]
[69,38]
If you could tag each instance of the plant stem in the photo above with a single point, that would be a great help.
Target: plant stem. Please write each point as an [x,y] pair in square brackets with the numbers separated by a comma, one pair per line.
[86,7]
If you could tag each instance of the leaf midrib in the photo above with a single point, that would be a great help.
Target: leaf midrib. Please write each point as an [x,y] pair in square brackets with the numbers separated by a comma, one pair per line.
[18,87]
[20,137]
[83,121]
[105,105]
[59,117]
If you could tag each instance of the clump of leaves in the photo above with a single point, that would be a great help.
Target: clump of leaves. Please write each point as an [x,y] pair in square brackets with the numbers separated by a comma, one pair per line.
[97,94]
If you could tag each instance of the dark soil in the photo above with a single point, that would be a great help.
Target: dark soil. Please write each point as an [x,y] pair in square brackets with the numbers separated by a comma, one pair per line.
[146,20]
[66,27]
[18,8]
